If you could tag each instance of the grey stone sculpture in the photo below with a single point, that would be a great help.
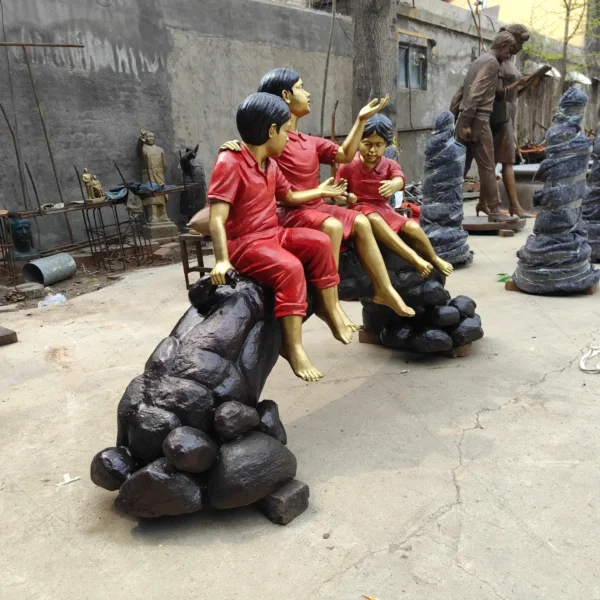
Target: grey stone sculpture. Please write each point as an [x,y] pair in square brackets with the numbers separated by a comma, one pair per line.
[556,257]
[591,203]
[442,208]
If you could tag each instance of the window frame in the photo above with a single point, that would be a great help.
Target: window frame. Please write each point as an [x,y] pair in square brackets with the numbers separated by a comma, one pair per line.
[405,50]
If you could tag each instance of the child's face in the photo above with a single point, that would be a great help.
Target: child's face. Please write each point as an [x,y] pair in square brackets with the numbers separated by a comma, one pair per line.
[278,139]
[372,148]
[299,100]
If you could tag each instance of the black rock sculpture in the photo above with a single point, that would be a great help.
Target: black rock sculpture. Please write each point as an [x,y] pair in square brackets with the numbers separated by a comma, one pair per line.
[233,419]
[556,257]
[442,208]
[249,469]
[191,430]
[591,203]
[190,450]
[437,316]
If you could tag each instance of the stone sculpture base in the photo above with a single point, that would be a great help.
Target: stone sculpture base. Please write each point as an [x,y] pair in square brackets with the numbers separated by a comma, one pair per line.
[162,231]
[191,429]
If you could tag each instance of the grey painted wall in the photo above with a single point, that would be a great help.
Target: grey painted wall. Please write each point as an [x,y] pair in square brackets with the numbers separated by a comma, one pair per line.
[177,67]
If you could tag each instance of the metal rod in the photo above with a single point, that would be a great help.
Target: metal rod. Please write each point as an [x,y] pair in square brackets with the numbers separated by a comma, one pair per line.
[37,100]
[121,174]
[80,184]
[37,198]
[16,143]
[39,106]
[34,45]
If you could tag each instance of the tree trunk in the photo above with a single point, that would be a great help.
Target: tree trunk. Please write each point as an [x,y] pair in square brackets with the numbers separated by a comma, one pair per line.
[592,37]
[565,50]
[375,67]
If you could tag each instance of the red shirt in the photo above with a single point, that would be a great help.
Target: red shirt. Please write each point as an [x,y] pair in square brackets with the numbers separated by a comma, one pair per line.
[301,158]
[365,182]
[238,180]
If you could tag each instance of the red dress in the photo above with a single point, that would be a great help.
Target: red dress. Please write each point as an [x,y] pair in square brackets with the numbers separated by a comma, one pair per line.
[299,164]
[257,245]
[365,183]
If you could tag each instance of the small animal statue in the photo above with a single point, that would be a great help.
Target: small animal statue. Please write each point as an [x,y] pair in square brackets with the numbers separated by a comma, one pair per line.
[193,199]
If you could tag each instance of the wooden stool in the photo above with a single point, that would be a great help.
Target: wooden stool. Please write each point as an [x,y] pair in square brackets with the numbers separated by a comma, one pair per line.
[196,239]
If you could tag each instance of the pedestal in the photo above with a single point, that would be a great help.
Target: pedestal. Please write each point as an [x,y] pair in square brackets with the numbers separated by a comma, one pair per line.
[162,231]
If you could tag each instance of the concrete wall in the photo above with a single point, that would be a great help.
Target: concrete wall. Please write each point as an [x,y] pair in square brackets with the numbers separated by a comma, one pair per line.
[177,67]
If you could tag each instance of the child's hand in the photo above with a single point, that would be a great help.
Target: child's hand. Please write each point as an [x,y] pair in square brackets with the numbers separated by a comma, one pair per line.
[232,146]
[387,188]
[373,108]
[351,200]
[217,275]
[329,190]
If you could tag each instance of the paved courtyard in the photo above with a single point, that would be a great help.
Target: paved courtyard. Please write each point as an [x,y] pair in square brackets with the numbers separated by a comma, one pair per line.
[431,478]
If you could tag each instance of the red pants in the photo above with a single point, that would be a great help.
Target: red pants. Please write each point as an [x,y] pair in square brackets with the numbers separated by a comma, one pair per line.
[280,262]
[315,215]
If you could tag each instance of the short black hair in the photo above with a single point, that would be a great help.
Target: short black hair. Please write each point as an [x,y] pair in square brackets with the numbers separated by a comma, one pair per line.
[382,126]
[279,80]
[257,113]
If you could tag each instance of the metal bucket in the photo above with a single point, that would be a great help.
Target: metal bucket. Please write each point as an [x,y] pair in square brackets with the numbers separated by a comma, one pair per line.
[50,270]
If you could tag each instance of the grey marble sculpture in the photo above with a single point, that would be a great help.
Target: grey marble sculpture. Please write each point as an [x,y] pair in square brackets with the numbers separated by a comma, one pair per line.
[556,257]
[591,203]
[442,209]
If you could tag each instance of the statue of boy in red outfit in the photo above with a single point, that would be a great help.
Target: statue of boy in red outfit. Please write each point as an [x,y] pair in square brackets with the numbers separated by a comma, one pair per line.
[299,163]
[248,238]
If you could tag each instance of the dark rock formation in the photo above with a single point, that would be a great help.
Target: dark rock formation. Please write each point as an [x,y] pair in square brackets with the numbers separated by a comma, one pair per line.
[442,209]
[437,315]
[591,203]
[248,470]
[112,467]
[160,489]
[233,419]
[190,450]
[190,428]
[270,422]
[556,257]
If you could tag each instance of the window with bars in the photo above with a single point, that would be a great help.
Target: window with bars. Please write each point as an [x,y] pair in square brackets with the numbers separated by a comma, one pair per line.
[412,67]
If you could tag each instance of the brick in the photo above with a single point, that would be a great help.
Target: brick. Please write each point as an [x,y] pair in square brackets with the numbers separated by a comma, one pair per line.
[7,336]
[506,233]
[287,503]
[164,253]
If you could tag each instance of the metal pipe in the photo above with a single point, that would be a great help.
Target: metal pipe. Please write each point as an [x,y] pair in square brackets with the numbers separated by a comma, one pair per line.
[50,270]
[17,150]
[34,45]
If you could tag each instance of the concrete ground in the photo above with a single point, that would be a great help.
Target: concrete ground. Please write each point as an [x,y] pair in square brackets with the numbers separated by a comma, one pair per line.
[431,478]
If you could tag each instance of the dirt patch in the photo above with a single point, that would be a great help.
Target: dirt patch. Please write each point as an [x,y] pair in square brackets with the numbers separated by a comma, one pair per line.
[59,356]
[85,280]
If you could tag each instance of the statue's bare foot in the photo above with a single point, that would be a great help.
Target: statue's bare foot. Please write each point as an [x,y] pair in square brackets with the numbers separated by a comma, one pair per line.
[423,267]
[441,265]
[300,363]
[390,297]
[346,319]
[340,330]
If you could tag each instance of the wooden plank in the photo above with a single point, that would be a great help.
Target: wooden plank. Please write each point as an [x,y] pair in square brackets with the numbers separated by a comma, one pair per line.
[511,286]
[7,336]
[368,337]
[481,224]
[459,351]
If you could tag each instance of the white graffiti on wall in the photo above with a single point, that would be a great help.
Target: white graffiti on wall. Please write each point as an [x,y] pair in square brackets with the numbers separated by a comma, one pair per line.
[98,55]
